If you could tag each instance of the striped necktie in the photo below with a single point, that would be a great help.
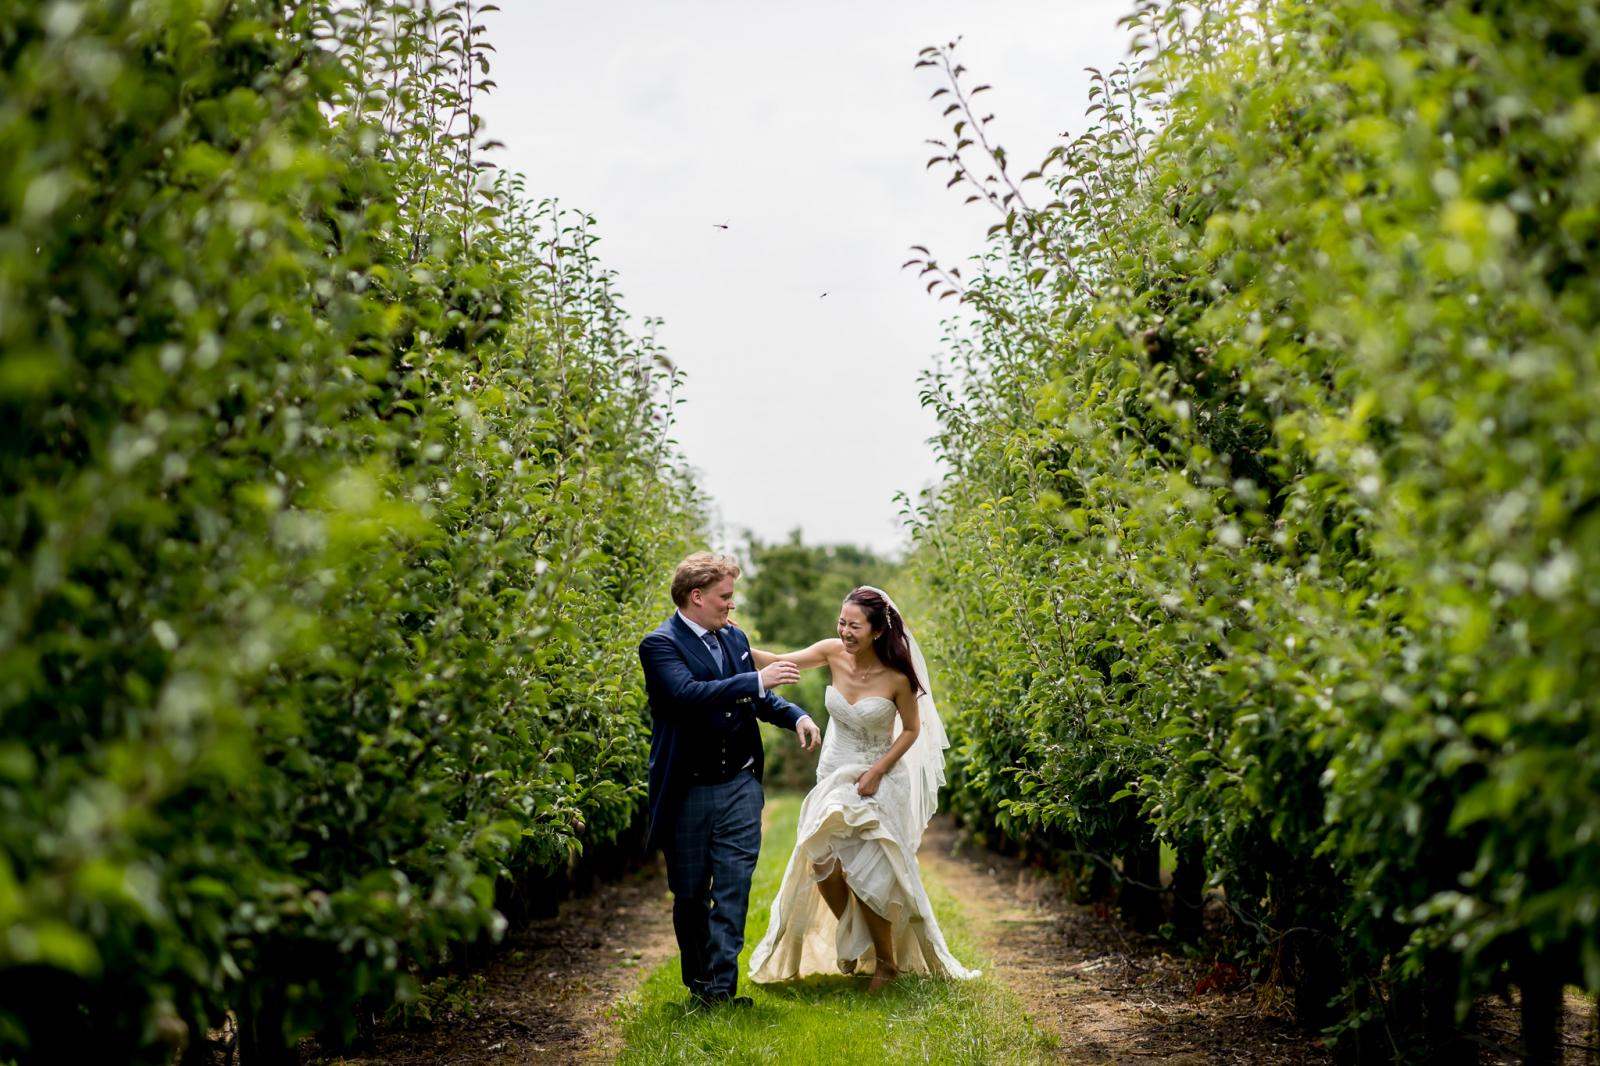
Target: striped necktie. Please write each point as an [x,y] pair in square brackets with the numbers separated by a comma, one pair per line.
[716,649]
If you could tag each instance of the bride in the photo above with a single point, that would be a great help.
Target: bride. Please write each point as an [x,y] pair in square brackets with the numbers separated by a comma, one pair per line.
[852,896]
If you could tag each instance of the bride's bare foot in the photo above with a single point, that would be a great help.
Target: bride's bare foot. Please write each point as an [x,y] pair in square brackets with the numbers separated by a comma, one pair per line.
[882,975]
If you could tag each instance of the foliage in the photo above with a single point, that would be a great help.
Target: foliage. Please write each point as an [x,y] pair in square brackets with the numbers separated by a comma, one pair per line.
[338,488]
[446,997]
[1275,471]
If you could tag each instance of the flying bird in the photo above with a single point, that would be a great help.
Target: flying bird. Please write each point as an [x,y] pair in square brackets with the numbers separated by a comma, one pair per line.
[719,225]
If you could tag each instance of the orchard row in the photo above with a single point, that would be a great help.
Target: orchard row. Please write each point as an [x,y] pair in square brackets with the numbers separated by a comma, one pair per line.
[338,486]
[1273,531]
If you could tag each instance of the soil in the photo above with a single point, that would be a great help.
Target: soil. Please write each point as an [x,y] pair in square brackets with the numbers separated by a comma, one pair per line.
[1111,996]
[1108,995]
[1498,1025]
[548,995]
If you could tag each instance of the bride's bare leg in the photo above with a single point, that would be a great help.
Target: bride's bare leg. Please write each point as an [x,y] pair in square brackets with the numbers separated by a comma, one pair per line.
[882,945]
[835,893]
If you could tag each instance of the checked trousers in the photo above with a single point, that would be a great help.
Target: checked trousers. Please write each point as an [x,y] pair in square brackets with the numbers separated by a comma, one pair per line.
[710,861]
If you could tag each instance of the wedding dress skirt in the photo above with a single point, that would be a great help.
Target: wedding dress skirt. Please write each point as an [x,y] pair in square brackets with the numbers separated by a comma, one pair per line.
[871,838]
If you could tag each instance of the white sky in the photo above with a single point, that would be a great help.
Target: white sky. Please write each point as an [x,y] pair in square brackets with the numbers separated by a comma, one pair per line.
[802,127]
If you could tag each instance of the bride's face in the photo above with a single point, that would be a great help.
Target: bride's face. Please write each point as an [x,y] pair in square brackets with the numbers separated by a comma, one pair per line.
[853,627]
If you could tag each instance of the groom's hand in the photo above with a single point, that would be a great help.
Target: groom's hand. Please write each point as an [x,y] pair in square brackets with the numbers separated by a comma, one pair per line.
[779,673]
[810,735]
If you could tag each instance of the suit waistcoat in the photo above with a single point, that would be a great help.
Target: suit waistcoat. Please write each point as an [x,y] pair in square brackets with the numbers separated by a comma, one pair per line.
[733,738]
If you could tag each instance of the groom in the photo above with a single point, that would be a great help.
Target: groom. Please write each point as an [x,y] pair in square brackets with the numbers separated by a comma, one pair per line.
[705,767]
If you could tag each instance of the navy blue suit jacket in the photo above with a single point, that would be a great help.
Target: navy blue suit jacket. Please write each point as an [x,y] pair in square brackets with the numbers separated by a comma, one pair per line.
[685,691]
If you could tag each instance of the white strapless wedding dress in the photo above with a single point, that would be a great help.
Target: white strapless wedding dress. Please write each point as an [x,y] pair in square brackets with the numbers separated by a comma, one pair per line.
[873,839]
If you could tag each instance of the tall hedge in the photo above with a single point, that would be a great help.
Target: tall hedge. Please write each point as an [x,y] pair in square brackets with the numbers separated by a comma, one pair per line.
[1274,526]
[337,487]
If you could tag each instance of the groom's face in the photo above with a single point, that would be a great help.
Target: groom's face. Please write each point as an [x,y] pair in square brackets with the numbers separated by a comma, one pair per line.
[713,603]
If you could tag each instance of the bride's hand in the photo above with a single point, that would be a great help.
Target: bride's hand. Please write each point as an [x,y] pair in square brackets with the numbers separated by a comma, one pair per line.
[867,783]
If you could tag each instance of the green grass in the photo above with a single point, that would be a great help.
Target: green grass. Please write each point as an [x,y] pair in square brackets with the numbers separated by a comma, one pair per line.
[832,1019]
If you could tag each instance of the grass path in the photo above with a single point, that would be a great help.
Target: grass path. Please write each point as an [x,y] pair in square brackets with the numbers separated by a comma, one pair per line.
[598,983]
[831,1019]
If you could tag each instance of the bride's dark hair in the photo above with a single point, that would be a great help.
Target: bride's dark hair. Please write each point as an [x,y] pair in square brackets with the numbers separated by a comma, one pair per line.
[890,643]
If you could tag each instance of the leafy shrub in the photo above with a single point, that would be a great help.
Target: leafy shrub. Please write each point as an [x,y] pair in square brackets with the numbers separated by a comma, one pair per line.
[337,491]
[1273,531]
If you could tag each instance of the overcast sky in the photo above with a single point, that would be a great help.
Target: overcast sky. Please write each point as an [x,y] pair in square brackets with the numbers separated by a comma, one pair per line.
[801,127]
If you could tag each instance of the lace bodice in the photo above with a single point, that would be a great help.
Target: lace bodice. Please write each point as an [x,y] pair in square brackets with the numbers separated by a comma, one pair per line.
[868,722]
[858,732]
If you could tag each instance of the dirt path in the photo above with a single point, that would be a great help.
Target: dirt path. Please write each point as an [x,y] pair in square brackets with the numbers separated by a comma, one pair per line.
[546,996]
[1107,995]
[1111,996]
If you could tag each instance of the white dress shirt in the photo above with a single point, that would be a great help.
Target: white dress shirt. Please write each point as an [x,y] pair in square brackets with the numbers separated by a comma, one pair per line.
[701,631]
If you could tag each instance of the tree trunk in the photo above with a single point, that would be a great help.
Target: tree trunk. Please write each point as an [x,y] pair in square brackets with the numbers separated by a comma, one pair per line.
[1318,974]
[1096,886]
[1140,895]
[1189,894]
[197,1052]
[1541,1012]
[1422,1016]
[262,1040]
[1447,1039]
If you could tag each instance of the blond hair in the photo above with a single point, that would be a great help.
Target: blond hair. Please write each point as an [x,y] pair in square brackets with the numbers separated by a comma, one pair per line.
[701,570]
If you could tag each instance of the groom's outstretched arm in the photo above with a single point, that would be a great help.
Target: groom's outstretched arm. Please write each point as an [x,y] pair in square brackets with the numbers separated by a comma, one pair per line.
[780,712]
[667,673]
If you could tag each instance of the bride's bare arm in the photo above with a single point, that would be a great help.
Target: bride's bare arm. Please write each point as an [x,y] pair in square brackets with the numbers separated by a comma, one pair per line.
[805,658]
